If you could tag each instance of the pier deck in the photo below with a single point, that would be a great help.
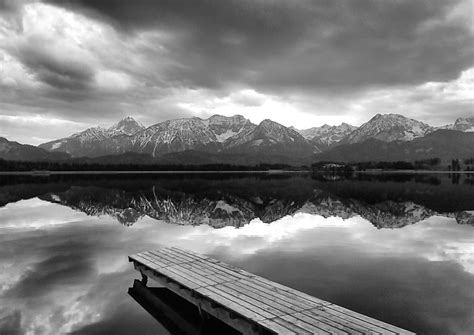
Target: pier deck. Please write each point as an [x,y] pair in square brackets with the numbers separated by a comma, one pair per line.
[249,303]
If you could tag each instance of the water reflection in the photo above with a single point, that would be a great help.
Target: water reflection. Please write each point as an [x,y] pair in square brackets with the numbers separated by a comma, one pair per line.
[387,201]
[177,315]
[65,271]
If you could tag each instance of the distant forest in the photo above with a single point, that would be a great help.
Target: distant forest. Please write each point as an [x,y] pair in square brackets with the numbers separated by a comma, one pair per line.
[326,166]
[7,165]
[425,164]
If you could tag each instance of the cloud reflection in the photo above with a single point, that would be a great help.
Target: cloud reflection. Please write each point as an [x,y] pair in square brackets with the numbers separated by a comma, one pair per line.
[30,214]
[72,276]
[437,238]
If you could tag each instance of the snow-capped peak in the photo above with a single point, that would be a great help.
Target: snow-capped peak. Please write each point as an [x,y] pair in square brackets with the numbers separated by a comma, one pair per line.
[327,134]
[127,126]
[269,124]
[464,124]
[225,127]
[278,132]
[90,135]
[220,119]
[389,127]
[236,134]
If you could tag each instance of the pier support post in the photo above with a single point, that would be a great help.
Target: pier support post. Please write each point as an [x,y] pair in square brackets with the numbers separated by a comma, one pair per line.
[144,279]
[204,320]
[204,315]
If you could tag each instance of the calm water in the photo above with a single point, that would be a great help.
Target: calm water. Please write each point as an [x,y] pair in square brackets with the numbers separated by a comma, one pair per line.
[398,248]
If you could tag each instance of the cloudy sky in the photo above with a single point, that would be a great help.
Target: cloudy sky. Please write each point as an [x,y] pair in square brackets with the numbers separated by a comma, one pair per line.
[66,65]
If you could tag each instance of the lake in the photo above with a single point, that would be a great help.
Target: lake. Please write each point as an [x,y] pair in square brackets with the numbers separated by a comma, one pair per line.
[398,248]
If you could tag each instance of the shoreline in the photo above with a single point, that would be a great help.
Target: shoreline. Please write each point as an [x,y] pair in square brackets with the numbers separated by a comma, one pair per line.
[375,172]
[46,173]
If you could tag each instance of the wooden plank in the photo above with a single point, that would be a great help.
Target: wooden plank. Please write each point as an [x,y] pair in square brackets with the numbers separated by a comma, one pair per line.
[219,265]
[190,255]
[221,270]
[172,274]
[300,295]
[358,318]
[194,254]
[179,279]
[233,319]
[339,323]
[312,324]
[240,308]
[284,327]
[271,292]
[251,299]
[249,305]
[210,273]
[191,274]
[256,300]
[259,280]
[182,255]
[156,262]
[283,294]
[267,300]
[161,254]
[147,262]
[268,290]
[175,275]
[216,276]
[198,262]
[139,259]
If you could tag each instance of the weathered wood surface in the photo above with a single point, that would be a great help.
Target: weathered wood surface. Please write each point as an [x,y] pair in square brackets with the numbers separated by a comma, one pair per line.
[250,303]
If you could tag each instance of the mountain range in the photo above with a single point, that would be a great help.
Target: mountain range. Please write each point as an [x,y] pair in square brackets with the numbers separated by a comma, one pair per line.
[236,140]
[442,143]
[217,134]
[326,136]
[388,128]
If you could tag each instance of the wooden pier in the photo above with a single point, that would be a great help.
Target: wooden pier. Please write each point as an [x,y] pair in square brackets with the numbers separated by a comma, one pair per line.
[249,303]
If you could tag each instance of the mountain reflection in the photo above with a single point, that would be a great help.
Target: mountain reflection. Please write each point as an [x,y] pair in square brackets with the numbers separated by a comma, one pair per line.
[387,201]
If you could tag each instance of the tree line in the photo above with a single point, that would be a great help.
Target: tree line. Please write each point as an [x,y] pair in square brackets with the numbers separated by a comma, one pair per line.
[425,164]
[8,165]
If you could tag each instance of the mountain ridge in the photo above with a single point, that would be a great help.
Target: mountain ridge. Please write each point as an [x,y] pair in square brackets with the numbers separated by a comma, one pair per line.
[236,140]
[215,134]
[326,136]
[465,124]
[10,150]
[442,143]
[388,128]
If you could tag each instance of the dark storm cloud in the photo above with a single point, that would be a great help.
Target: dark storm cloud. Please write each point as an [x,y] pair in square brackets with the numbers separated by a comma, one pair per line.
[52,68]
[299,45]
[213,42]
[93,62]
[57,73]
